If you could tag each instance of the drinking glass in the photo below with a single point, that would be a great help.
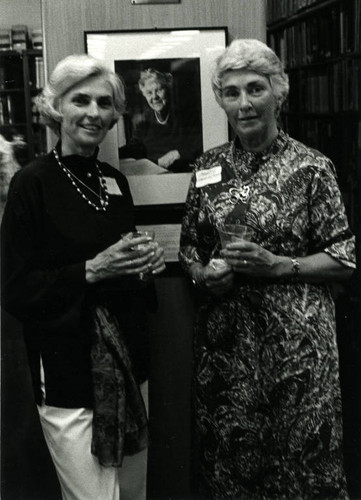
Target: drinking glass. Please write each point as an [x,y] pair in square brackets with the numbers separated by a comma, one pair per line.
[141,246]
[230,233]
[217,264]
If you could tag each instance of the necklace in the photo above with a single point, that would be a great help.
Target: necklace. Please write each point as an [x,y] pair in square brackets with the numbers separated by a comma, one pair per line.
[103,192]
[162,122]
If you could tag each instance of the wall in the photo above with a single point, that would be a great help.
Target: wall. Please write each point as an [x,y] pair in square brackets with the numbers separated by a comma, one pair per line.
[26,12]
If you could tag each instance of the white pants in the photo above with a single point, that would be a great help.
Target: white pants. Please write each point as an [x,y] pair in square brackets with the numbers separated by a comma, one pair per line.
[68,434]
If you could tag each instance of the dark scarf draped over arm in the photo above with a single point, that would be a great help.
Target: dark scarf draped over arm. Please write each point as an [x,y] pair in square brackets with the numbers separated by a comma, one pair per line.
[119,421]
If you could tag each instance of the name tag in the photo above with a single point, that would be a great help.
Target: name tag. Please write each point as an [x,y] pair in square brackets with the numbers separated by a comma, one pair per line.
[112,186]
[209,176]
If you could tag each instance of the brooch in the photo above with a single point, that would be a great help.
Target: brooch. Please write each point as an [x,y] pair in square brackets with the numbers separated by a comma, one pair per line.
[240,194]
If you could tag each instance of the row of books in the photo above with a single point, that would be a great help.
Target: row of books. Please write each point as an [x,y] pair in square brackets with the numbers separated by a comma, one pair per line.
[278,10]
[39,73]
[332,33]
[334,138]
[281,9]
[17,38]
[332,89]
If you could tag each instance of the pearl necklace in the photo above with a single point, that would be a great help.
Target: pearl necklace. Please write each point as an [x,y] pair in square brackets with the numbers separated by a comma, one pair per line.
[103,192]
[161,122]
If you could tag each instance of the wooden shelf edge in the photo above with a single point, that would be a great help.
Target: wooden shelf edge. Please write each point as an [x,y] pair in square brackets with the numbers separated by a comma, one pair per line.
[21,53]
[300,15]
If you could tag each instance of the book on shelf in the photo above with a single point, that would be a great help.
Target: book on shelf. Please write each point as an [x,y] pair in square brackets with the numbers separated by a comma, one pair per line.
[5,39]
[12,109]
[6,109]
[37,38]
[39,72]
[2,111]
[19,37]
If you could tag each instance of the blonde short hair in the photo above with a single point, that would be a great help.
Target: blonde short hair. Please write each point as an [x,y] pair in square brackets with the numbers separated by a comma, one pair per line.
[253,55]
[69,72]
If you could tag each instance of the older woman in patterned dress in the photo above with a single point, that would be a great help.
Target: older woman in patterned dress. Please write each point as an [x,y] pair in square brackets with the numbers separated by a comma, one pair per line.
[267,395]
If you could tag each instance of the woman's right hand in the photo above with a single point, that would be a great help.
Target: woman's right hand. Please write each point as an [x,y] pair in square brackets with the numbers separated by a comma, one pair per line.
[217,280]
[126,257]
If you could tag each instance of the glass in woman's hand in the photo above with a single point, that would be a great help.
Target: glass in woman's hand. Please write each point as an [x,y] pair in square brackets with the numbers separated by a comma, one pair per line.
[142,246]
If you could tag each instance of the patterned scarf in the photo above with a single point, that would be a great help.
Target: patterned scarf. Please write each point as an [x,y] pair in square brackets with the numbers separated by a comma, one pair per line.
[119,420]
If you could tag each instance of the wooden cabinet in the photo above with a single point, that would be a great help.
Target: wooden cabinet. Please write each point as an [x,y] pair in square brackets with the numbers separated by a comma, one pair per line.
[21,79]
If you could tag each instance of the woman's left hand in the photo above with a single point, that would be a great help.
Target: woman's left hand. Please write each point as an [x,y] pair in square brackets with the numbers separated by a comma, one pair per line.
[250,259]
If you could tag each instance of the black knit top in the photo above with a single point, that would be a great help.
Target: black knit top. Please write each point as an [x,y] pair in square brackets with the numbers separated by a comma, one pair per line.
[48,232]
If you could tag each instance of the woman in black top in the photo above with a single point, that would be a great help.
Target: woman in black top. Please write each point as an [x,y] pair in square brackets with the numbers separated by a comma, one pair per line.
[71,275]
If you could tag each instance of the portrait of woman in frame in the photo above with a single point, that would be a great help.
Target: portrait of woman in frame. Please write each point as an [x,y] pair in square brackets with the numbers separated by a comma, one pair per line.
[163,126]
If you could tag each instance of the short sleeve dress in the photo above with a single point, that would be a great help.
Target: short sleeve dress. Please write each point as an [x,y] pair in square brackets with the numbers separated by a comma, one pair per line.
[267,396]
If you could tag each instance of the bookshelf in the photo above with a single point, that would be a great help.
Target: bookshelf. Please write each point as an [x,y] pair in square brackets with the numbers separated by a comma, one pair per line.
[21,79]
[319,43]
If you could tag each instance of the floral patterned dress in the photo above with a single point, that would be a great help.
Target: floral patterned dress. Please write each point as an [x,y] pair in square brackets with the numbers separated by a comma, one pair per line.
[267,395]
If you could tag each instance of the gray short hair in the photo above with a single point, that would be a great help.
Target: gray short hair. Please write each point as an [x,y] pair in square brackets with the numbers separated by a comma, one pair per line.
[165,79]
[256,56]
[69,72]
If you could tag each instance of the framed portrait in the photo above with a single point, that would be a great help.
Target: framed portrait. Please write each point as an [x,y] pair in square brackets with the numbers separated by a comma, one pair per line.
[172,115]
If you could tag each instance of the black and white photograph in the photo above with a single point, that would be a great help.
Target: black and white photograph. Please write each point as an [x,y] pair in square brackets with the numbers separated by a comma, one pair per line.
[180,230]
[163,124]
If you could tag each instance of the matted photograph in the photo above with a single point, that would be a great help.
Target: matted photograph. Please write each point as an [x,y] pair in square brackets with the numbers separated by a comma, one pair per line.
[172,116]
[163,124]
